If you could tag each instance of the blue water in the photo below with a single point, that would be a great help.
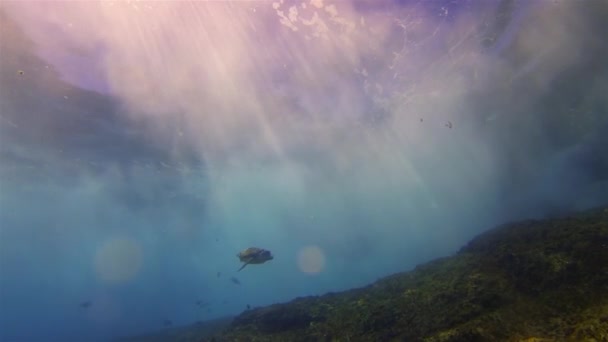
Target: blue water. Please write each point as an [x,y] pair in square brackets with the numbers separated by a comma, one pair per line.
[144,145]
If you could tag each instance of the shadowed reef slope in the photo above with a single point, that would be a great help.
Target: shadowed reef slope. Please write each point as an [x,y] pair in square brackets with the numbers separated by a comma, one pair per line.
[526,281]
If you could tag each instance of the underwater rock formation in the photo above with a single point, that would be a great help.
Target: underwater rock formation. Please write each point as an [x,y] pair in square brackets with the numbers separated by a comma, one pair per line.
[526,281]
[534,280]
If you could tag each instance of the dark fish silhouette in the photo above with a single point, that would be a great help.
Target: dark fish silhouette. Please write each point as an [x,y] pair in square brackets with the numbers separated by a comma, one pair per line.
[219,274]
[235,281]
[449,124]
[86,304]
[202,303]
[248,306]
[254,255]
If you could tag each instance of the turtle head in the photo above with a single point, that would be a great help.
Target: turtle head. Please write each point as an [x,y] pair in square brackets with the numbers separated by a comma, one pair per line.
[265,255]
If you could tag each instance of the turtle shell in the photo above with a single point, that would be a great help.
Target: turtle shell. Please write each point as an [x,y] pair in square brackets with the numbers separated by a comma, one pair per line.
[250,253]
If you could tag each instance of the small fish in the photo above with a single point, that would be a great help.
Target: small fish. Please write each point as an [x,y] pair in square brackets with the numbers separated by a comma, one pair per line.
[86,304]
[235,281]
[248,306]
[219,274]
[21,72]
[421,120]
[449,125]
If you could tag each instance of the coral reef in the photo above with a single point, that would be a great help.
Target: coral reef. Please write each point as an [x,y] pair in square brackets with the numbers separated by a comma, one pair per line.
[526,281]
[529,281]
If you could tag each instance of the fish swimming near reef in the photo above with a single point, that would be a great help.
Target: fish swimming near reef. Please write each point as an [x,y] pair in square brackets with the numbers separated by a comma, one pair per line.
[254,255]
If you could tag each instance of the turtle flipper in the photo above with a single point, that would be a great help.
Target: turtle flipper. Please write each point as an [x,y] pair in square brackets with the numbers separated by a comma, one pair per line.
[245,264]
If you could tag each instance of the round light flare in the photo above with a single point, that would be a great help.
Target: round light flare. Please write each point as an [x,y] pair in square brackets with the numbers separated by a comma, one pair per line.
[311,259]
[118,260]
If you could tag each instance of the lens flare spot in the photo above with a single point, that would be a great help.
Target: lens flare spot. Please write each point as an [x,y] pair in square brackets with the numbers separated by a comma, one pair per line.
[311,260]
[118,260]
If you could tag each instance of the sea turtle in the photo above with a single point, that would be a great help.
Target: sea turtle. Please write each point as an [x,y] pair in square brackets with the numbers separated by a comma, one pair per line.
[254,255]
